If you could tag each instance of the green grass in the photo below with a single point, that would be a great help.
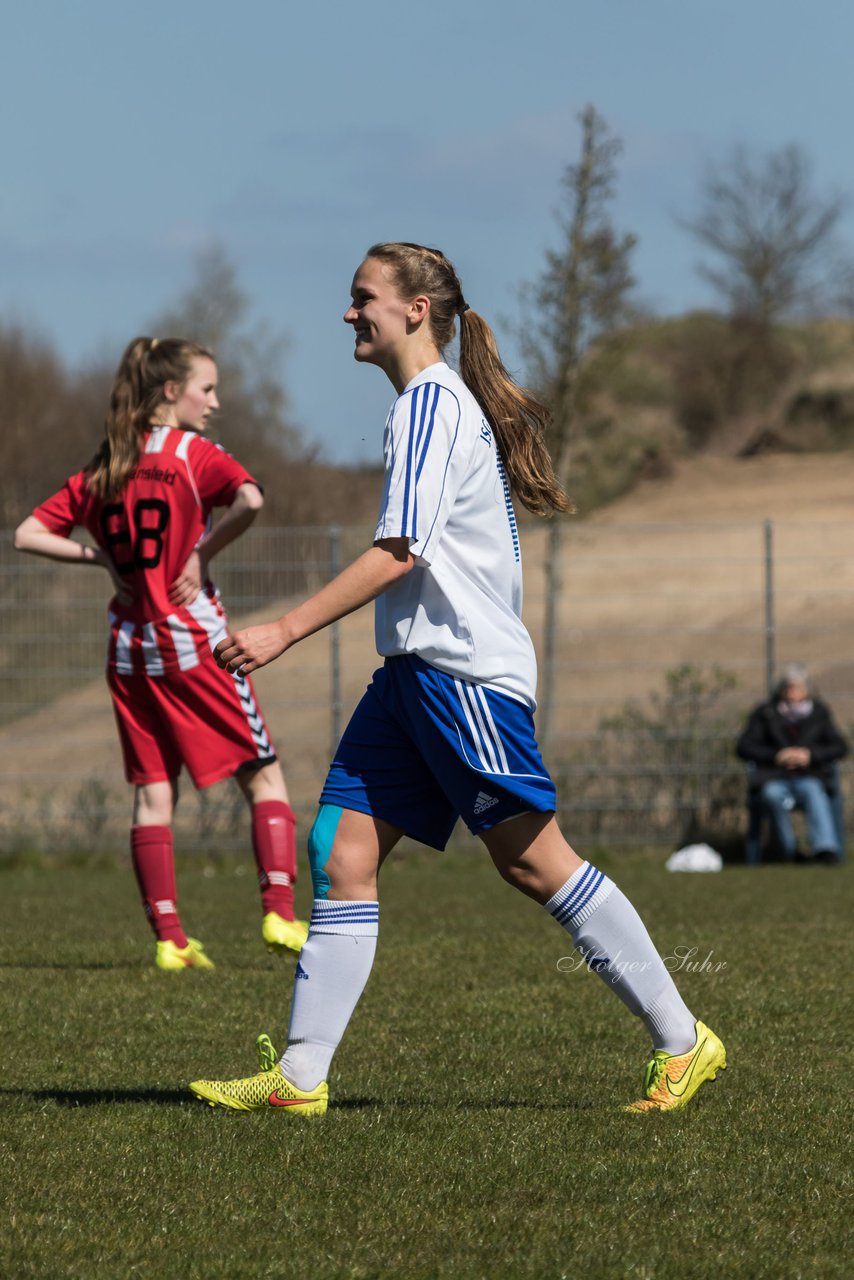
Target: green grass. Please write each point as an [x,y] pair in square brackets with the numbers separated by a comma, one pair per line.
[475,1129]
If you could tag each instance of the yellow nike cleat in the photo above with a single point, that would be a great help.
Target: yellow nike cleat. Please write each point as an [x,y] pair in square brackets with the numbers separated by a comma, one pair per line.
[266,1091]
[672,1079]
[283,935]
[174,958]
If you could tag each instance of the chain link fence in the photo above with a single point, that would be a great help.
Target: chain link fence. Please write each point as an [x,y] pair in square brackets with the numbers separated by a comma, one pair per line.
[667,635]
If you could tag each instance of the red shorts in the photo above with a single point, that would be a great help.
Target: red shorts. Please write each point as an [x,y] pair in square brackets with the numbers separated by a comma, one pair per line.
[204,718]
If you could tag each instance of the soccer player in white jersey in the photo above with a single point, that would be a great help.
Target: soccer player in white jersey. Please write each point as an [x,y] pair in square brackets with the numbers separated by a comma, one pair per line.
[146,499]
[446,727]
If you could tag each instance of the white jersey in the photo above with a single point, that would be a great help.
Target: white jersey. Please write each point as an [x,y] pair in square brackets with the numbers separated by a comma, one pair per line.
[460,606]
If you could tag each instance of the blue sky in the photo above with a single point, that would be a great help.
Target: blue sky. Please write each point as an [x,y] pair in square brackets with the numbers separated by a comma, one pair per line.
[135,136]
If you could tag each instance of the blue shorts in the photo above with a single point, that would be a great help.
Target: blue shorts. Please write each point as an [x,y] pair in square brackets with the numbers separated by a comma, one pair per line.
[424,748]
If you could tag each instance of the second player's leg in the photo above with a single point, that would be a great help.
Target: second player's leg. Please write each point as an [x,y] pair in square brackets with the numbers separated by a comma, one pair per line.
[264,784]
[154,866]
[275,849]
[154,803]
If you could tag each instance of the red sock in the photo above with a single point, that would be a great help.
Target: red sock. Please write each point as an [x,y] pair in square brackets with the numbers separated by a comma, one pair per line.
[154,864]
[274,843]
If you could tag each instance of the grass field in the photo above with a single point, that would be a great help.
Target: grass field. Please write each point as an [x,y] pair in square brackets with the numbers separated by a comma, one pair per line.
[475,1129]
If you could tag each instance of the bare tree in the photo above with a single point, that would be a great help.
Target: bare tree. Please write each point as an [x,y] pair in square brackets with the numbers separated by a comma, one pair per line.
[256,418]
[581,298]
[33,422]
[251,358]
[770,233]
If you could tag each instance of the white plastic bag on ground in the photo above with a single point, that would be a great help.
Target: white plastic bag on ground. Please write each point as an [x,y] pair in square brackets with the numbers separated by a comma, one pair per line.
[695,857]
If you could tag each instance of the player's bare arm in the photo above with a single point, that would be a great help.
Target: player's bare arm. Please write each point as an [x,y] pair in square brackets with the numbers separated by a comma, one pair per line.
[236,519]
[35,537]
[357,585]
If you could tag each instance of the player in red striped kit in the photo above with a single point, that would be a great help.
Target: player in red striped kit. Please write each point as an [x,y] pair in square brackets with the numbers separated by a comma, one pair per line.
[146,499]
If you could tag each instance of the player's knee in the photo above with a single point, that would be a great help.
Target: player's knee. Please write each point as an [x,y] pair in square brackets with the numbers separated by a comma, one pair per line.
[512,872]
[320,841]
[522,876]
[154,803]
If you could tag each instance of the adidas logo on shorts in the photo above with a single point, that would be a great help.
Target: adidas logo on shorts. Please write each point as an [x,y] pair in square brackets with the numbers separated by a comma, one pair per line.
[484,802]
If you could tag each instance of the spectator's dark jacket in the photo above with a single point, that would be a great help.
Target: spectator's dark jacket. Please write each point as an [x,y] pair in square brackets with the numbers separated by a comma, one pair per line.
[767,732]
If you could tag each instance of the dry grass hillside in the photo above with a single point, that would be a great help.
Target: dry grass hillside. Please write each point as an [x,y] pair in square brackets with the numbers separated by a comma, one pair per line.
[674,572]
[806,488]
[671,574]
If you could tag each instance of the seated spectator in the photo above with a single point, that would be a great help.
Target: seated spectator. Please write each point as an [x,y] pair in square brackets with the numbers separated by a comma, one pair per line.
[793,745]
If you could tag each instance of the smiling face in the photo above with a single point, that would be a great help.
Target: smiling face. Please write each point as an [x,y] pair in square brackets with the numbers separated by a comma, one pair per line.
[190,404]
[378,314]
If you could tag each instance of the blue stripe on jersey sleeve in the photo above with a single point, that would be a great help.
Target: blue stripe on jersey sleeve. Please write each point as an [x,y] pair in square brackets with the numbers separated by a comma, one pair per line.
[423,448]
[415,437]
[422,416]
[407,523]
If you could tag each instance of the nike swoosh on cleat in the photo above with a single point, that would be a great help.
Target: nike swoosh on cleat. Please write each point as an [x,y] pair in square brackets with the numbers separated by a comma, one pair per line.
[678,1087]
[275,1101]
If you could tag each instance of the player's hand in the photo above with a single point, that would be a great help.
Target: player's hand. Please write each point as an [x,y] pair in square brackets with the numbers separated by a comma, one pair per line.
[189,582]
[252,648]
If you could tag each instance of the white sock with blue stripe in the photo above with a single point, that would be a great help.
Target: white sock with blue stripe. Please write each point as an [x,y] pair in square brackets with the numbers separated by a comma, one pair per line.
[612,938]
[331,973]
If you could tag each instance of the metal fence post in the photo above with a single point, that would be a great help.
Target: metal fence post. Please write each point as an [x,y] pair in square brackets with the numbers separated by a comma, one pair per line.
[335,647]
[770,661]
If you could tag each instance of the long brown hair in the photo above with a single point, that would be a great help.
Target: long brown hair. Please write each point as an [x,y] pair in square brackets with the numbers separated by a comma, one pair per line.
[517,418]
[144,369]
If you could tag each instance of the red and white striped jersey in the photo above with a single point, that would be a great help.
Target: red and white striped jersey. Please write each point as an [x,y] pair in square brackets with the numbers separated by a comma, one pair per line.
[149,531]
